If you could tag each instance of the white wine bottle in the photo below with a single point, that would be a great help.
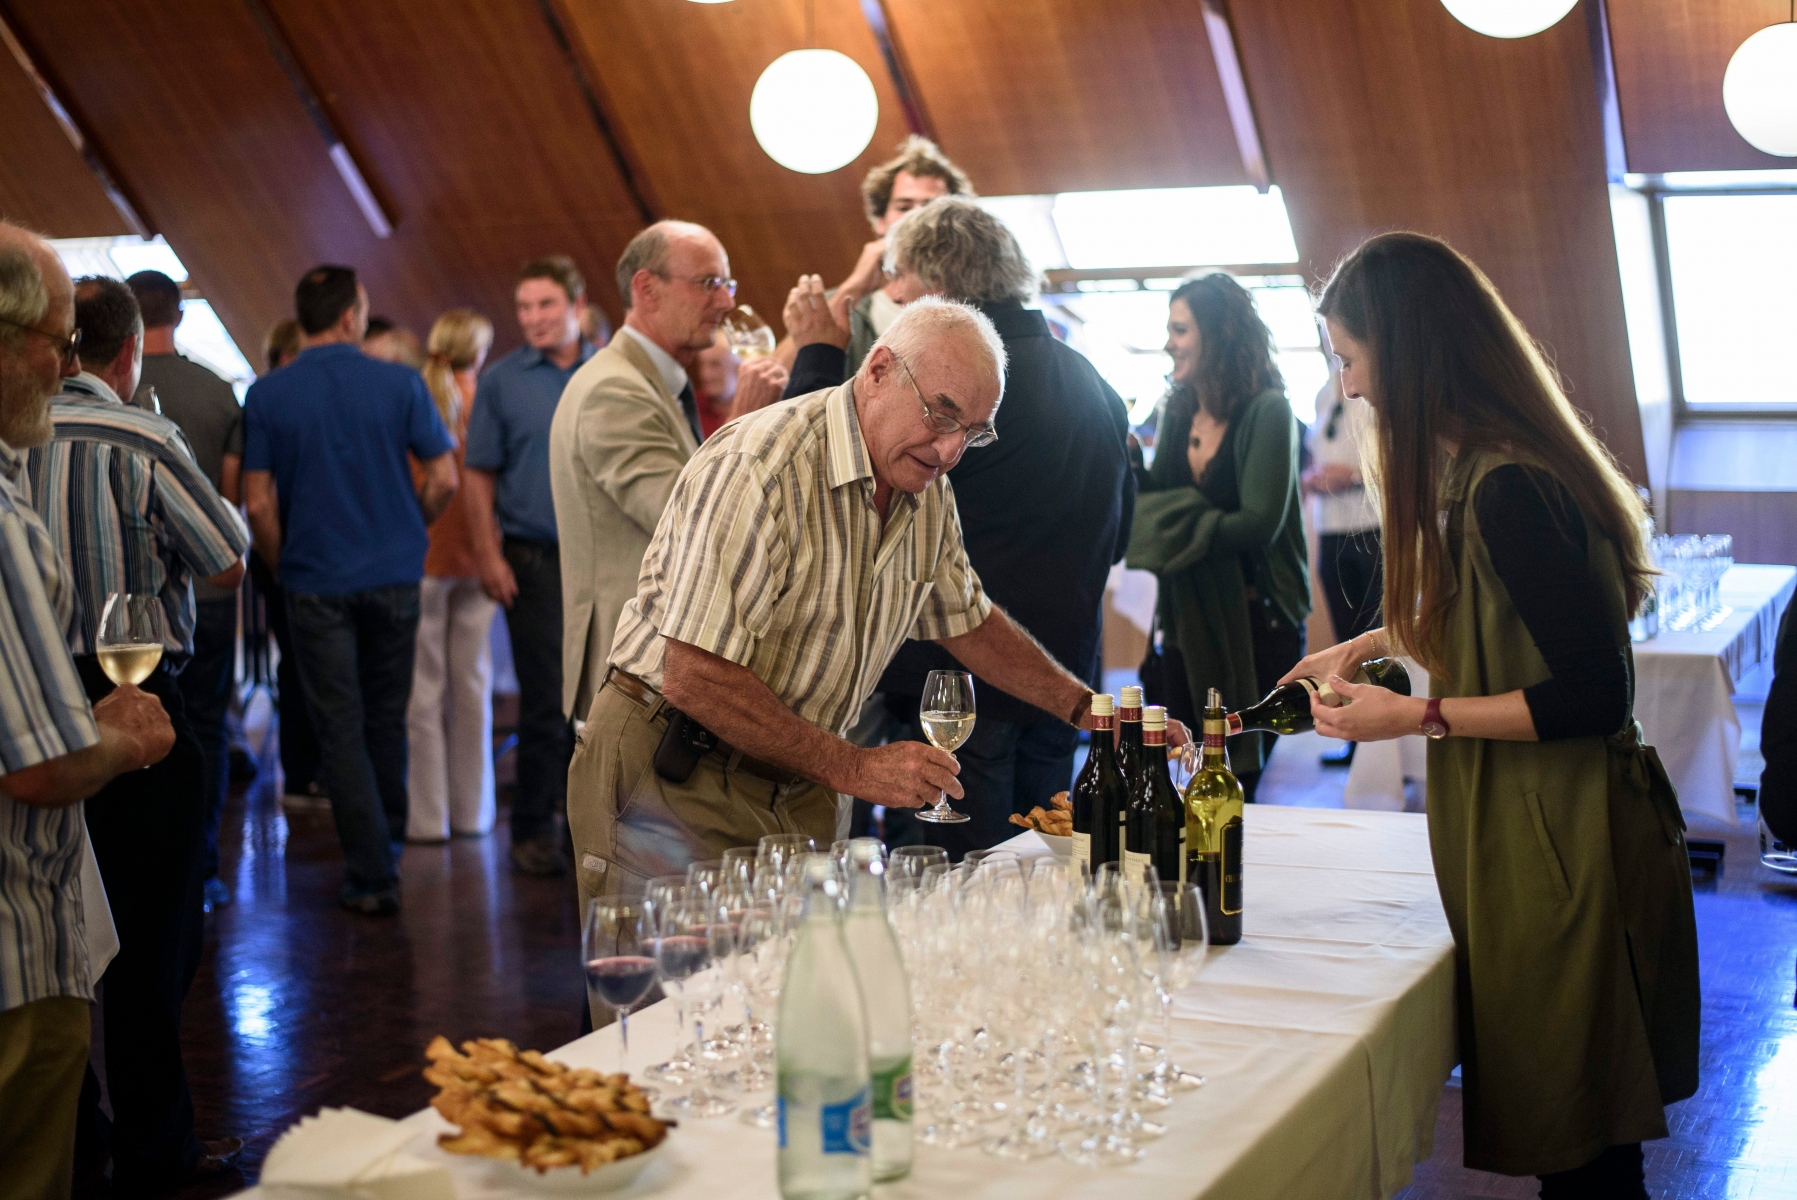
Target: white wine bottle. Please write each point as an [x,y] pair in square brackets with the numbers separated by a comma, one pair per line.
[1214,830]
[886,991]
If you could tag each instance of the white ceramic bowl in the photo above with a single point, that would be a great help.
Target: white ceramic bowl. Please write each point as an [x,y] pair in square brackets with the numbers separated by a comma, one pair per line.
[1062,846]
[568,1181]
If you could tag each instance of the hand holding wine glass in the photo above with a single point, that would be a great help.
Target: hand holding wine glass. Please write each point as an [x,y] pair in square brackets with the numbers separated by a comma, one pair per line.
[947,715]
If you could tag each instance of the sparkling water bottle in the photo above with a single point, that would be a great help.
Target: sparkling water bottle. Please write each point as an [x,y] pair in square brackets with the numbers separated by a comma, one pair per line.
[825,1102]
[887,992]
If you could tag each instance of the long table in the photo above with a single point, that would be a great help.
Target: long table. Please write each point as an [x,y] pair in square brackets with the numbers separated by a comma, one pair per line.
[1325,1037]
[1684,689]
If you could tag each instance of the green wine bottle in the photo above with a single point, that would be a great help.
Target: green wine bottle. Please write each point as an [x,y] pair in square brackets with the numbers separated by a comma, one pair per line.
[1287,709]
[1156,822]
[1214,830]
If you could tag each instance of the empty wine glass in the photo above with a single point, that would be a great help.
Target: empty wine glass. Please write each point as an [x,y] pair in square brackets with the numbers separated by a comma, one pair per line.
[619,972]
[908,862]
[130,637]
[946,713]
[691,948]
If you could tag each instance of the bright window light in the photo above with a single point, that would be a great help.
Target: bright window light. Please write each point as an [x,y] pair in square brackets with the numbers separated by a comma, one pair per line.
[201,335]
[1160,227]
[1031,218]
[1733,260]
[1729,179]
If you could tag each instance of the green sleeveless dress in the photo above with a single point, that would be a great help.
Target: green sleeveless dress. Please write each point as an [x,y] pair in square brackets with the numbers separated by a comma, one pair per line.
[1563,870]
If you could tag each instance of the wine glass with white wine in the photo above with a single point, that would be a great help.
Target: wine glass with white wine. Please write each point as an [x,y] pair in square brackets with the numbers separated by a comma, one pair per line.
[749,336]
[129,644]
[947,717]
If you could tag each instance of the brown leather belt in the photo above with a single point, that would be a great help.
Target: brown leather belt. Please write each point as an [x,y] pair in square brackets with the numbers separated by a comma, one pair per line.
[647,696]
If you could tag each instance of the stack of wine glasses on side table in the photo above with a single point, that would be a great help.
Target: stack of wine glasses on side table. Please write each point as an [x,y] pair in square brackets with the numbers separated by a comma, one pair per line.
[1687,594]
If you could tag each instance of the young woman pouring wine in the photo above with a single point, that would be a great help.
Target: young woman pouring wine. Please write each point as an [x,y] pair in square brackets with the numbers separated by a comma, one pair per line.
[1513,562]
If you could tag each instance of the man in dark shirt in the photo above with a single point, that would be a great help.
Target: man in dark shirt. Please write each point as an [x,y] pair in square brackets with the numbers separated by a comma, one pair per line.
[512,524]
[1045,510]
[205,408]
[331,503]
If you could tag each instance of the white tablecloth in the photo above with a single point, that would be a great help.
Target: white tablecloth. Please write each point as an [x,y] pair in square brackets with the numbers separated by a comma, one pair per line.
[1684,689]
[1325,1036]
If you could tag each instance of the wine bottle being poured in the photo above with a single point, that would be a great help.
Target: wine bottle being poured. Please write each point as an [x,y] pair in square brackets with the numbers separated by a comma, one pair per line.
[1286,709]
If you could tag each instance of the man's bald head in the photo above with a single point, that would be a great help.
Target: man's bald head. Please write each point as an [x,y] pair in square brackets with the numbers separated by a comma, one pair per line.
[663,276]
[37,317]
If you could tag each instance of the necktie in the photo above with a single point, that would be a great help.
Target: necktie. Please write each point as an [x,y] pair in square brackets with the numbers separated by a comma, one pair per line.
[689,404]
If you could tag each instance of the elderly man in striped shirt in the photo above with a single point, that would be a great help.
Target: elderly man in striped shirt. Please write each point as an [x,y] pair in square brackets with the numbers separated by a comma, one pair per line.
[130,511]
[801,546]
[54,751]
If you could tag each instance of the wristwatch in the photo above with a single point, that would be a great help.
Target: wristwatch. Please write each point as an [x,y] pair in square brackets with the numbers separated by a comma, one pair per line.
[1434,725]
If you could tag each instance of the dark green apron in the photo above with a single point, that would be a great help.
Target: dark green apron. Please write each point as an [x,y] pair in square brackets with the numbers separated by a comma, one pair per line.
[1563,870]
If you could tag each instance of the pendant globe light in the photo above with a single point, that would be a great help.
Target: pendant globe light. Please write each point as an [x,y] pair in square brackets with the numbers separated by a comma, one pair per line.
[1758,89]
[813,111]
[1508,18]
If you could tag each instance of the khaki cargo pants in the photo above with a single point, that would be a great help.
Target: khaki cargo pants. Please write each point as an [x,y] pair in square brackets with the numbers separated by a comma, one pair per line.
[630,825]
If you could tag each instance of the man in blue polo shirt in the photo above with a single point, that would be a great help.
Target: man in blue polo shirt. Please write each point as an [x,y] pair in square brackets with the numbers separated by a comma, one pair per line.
[333,510]
[520,559]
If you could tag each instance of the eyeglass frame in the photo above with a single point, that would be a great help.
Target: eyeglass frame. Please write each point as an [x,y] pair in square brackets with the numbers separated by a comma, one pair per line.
[974,436]
[707,283]
[71,348]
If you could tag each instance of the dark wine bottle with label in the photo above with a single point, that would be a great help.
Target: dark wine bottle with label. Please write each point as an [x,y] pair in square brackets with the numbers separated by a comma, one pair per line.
[1129,764]
[1157,815]
[1099,779]
[1287,709]
[1213,805]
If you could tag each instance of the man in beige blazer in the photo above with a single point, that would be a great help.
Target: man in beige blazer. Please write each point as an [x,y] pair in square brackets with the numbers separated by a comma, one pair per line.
[625,426]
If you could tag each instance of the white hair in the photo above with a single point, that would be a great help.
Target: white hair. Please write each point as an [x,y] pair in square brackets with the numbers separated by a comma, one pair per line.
[23,297]
[929,320]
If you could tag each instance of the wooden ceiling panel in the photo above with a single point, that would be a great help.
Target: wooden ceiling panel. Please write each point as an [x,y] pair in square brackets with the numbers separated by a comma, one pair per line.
[1066,95]
[1395,116]
[1670,57]
[676,78]
[43,181]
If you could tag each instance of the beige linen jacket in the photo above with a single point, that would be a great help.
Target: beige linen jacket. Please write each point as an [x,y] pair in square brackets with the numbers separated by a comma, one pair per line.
[616,446]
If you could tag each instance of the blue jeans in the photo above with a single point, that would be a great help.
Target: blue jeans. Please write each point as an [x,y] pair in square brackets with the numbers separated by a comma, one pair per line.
[355,656]
[1006,768]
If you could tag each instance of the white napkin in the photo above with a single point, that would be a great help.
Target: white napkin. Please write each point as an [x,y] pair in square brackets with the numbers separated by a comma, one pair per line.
[343,1152]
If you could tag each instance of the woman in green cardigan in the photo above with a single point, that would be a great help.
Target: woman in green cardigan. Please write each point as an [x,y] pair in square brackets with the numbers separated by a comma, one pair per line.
[1217,516]
[1514,558]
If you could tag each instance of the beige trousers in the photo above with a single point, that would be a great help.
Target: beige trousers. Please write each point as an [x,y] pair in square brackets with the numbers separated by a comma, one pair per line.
[449,722]
[630,825]
[43,1054]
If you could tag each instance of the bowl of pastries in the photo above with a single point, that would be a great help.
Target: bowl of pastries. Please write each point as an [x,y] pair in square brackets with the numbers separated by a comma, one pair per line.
[1053,824]
[543,1124]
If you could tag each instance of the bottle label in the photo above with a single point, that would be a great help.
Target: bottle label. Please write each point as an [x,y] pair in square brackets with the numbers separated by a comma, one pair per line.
[1232,868]
[1182,854]
[780,1104]
[1082,848]
[848,1127]
[1130,714]
[892,1092]
[1102,721]
[1133,863]
[1154,737]
[1215,730]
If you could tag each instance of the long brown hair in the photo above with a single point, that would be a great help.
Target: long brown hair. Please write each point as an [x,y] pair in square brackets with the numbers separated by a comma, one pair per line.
[1235,362]
[1451,365]
[458,340]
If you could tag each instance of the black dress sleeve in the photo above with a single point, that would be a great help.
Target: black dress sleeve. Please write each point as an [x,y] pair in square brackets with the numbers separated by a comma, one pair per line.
[1537,545]
[818,366]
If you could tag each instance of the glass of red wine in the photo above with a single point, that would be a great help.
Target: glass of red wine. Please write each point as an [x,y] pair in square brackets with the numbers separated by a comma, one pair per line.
[620,966]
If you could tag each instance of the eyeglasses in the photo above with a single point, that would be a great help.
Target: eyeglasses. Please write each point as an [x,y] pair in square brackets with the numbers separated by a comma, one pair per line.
[71,349]
[707,283]
[975,435]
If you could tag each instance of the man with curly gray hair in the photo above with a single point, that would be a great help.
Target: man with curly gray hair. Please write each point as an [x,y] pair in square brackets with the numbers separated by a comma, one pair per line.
[1044,512]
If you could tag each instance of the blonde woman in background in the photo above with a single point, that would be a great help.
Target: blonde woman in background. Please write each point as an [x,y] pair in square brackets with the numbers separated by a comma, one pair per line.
[449,723]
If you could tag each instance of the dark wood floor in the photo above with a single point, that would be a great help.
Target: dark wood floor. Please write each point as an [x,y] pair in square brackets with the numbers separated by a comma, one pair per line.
[299,1004]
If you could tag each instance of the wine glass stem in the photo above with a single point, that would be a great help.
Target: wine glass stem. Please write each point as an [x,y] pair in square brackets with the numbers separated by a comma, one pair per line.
[623,1038]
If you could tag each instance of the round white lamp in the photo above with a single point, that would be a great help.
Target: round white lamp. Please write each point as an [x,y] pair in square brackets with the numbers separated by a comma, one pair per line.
[1508,18]
[814,110]
[1759,90]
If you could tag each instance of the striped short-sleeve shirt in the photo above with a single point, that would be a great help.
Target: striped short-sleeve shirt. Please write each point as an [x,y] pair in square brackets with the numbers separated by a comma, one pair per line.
[129,510]
[771,554]
[44,714]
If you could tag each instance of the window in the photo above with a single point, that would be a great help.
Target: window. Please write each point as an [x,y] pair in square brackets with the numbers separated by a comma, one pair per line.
[201,336]
[1113,258]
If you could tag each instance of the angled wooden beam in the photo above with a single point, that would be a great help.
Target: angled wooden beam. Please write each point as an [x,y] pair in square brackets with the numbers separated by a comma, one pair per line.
[898,68]
[1603,62]
[1235,94]
[129,210]
[628,169]
[348,169]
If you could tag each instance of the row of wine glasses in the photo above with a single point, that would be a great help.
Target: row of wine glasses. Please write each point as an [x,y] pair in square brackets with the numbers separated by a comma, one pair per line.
[719,932]
[1687,594]
[1043,1001]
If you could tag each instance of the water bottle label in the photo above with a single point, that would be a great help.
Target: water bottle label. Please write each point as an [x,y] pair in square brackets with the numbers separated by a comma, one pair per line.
[780,1103]
[892,1092]
[848,1127]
